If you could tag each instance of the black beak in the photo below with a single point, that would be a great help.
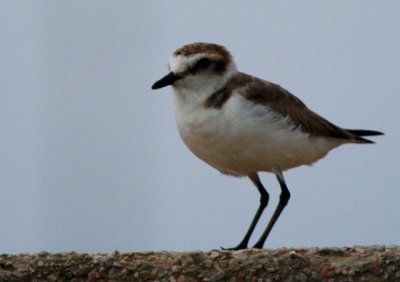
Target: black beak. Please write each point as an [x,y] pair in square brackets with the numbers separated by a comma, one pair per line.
[169,79]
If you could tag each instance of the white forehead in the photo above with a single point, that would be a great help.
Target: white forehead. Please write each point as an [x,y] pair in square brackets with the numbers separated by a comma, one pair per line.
[180,64]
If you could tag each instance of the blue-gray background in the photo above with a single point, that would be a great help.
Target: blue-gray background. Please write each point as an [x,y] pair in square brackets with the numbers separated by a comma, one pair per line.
[90,156]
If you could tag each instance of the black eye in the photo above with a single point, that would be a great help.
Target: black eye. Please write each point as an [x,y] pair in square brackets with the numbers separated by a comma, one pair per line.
[202,64]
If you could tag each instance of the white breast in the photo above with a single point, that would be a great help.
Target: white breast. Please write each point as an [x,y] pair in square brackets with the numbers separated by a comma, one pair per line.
[241,137]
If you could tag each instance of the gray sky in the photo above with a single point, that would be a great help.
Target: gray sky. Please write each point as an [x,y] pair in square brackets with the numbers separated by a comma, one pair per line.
[90,156]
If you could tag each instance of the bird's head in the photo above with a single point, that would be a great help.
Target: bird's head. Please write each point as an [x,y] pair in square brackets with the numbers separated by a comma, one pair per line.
[198,66]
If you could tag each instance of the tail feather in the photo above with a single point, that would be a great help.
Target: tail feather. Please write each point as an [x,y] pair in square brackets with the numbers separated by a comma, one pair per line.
[362,132]
[358,133]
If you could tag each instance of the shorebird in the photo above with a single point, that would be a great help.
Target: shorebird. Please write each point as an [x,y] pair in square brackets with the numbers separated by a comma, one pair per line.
[242,125]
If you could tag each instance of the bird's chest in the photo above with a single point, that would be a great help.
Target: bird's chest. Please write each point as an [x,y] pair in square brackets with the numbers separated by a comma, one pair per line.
[205,131]
[201,129]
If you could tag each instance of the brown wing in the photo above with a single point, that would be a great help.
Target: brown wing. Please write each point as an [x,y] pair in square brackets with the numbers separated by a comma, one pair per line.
[287,105]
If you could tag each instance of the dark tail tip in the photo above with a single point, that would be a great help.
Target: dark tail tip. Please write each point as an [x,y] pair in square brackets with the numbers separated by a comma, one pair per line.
[362,132]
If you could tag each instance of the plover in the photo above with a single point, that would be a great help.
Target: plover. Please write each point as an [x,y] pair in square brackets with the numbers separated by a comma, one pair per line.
[242,125]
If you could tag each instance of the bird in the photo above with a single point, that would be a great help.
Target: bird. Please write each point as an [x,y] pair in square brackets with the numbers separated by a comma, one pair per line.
[243,125]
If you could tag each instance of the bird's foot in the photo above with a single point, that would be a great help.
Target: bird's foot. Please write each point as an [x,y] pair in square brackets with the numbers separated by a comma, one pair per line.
[238,247]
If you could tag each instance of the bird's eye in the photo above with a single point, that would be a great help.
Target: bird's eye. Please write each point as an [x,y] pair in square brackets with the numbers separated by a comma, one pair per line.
[202,63]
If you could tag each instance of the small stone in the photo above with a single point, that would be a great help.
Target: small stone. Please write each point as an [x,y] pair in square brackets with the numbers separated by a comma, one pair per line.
[331,251]
[391,268]
[117,264]
[52,277]
[112,274]
[397,274]
[385,276]
[187,260]
[147,265]
[197,256]
[208,263]
[214,254]
[181,278]
[325,270]
[43,254]
[302,277]
[223,263]
[218,276]
[314,275]
[233,265]
[239,255]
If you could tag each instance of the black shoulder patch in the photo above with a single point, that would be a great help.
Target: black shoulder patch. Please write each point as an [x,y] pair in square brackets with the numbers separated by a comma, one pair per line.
[218,98]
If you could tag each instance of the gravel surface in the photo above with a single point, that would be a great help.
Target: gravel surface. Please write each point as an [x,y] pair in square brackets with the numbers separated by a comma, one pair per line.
[375,263]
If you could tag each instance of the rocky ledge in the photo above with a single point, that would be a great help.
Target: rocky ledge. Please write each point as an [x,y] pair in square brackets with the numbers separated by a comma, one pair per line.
[375,263]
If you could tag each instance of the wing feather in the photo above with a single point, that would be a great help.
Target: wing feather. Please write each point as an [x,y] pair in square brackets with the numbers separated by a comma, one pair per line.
[289,106]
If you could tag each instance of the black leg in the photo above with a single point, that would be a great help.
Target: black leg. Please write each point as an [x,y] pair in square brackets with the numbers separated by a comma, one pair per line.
[283,200]
[263,203]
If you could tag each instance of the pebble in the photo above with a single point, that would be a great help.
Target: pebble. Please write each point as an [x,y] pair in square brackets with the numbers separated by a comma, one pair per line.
[233,265]
[214,254]
[52,277]
[239,255]
[302,277]
[271,269]
[218,276]
[208,263]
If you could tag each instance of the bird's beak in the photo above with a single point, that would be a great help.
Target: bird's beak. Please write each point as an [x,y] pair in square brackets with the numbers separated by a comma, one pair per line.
[169,79]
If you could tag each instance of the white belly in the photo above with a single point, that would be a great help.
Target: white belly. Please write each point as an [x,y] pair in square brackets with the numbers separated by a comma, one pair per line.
[241,138]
